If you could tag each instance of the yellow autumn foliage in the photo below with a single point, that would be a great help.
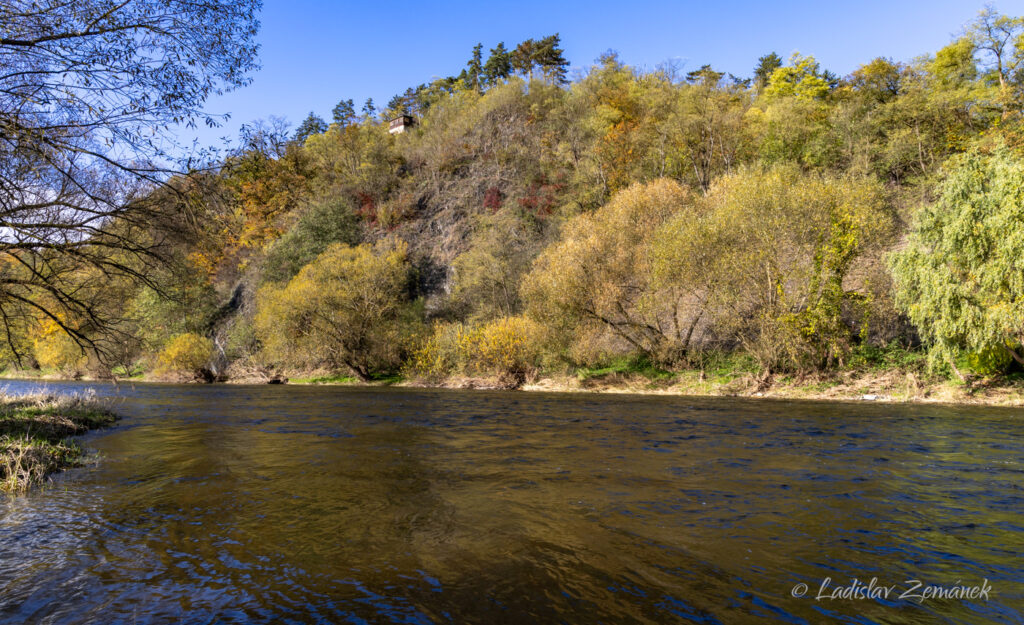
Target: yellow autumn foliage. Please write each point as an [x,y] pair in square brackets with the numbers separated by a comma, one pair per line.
[509,348]
[187,353]
[348,308]
[54,349]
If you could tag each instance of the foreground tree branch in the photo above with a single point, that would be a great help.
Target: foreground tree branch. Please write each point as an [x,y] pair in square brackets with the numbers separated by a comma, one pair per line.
[89,94]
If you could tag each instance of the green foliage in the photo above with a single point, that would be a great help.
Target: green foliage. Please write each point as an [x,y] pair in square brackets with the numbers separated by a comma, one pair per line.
[998,42]
[954,65]
[186,304]
[679,219]
[344,113]
[312,125]
[766,66]
[959,278]
[879,80]
[487,275]
[889,357]
[543,55]
[626,366]
[330,220]
[498,66]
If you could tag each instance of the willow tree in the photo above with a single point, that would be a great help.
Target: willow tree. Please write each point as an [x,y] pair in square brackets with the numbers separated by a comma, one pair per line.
[91,93]
[776,260]
[348,308]
[960,277]
[593,287]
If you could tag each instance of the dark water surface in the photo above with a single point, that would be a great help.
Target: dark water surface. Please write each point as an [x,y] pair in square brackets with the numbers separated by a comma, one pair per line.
[229,504]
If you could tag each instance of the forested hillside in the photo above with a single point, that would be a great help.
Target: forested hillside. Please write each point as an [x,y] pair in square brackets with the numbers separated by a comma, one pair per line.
[792,222]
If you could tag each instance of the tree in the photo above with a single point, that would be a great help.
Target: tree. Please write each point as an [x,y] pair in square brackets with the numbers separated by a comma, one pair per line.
[331,220]
[766,66]
[345,309]
[1000,41]
[344,113]
[474,69]
[488,274]
[594,285]
[880,80]
[705,76]
[544,55]
[268,138]
[406,103]
[369,110]
[522,58]
[802,78]
[954,65]
[551,59]
[960,278]
[312,125]
[704,131]
[89,94]
[772,259]
[498,66]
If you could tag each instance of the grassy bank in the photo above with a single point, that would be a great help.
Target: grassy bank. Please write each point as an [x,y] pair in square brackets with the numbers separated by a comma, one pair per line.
[889,386]
[889,374]
[876,374]
[35,433]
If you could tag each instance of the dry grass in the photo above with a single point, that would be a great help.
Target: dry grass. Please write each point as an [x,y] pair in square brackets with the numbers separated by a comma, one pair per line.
[35,433]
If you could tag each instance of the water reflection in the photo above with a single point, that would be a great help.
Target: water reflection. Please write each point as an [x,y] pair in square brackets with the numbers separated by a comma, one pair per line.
[271,504]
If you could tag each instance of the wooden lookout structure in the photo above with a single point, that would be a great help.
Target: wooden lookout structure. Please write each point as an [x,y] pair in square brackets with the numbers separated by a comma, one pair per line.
[400,123]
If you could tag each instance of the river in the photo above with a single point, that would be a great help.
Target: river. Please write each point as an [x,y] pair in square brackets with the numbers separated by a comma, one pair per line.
[278,504]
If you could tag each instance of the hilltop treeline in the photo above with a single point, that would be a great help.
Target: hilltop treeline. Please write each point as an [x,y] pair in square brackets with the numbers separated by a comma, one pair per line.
[795,220]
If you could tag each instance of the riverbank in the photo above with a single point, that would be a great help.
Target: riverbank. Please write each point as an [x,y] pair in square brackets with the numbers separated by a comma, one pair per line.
[35,433]
[890,386]
[886,388]
[882,385]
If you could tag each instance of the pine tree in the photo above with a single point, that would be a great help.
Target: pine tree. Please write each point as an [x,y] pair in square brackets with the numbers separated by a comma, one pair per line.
[369,110]
[344,113]
[312,125]
[474,69]
[765,66]
[522,58]
[498,66]
[551,59]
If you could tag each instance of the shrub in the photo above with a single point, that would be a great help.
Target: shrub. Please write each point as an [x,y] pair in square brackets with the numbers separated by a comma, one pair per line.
[440,354]
[186,353]
[509,348]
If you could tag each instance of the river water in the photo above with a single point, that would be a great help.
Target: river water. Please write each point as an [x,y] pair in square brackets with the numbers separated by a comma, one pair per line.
[277,504]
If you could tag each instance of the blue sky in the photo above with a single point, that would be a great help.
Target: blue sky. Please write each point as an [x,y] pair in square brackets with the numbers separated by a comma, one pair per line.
[316,52]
